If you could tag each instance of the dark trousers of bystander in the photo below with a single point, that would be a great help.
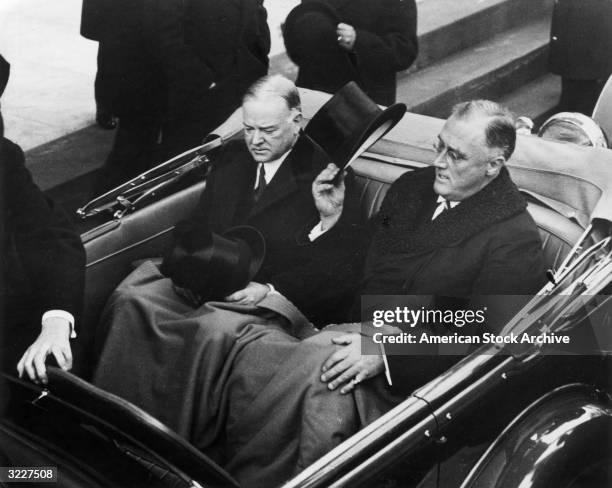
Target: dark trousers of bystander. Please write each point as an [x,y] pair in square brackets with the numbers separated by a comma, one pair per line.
[142,142]
[103,89]
[579,95]
[135,150]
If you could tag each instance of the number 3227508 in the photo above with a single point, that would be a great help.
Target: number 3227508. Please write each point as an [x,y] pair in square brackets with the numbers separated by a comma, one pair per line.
[21,474]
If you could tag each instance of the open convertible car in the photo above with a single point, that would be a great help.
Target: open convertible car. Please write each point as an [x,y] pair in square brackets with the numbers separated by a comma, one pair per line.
[504,416]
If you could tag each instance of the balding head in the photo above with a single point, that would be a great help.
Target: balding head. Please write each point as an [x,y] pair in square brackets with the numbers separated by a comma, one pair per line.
[275,86]
[500,129]
[272,114]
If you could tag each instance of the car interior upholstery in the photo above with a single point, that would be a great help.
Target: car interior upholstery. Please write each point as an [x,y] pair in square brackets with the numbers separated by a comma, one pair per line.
[113,247]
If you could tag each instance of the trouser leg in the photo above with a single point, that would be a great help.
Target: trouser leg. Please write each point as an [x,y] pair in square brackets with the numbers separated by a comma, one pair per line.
[135,150]
[579,95]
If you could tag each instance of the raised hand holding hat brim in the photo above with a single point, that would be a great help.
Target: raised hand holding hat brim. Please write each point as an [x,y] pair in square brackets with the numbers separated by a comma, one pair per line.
[347,35]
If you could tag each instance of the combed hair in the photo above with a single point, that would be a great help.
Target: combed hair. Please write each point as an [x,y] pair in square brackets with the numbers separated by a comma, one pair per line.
[275,85]
[500,131]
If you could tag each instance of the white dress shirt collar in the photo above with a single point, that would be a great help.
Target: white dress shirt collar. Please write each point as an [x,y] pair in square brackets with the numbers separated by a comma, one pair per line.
[270,169]
[443,204]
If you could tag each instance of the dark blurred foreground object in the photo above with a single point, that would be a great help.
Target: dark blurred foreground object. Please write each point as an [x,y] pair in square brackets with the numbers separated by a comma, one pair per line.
[95,26]
[573,127]
[581,51]
[385,43]
[95,439]
[42,265]
[173,71]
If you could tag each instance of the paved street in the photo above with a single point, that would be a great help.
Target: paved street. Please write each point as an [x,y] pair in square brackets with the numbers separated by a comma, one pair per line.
[50,92]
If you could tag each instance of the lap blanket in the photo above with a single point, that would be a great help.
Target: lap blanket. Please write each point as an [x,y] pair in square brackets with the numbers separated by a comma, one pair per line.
[283,418]
[242,383]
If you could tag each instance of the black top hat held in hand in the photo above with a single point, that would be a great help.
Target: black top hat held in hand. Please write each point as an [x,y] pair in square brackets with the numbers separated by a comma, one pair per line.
[349,123]
[212,265]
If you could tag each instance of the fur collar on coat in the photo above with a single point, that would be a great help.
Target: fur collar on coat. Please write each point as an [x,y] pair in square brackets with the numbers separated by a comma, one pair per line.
[404,222]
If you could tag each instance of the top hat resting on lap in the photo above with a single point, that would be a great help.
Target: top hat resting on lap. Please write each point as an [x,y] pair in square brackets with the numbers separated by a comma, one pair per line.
[212,265]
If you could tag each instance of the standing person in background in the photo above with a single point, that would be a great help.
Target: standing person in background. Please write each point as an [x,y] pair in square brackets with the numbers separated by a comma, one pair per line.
[179,69]
[581,51]
[337,41]
[42,269]
[96,27]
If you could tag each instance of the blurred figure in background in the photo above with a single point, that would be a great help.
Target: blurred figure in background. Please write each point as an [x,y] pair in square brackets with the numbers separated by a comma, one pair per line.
[178,69]
[573,127]
[42,269]
[95,26]
[581,51]
[337,41]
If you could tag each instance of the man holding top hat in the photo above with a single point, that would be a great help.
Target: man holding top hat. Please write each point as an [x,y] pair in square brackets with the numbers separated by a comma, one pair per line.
[42,269]
[454,231]
[265,181]
[188,323]
[337,41]
[448,232]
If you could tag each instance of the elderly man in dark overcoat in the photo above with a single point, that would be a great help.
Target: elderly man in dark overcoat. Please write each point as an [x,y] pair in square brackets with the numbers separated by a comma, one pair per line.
[367,42]
[445,233]
[309,268]
[459,229]
[176,70]
[278,181]
[42,269]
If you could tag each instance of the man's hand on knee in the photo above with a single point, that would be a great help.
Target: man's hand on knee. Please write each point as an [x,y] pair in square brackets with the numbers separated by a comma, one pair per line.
[347,367]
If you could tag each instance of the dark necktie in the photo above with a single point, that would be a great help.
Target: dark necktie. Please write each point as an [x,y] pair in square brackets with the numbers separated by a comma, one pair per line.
[261,183]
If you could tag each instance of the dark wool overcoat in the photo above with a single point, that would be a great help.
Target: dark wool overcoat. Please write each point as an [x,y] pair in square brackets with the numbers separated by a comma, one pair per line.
[319,277]
[386,43]
[160,57]
[42,257]
[581,39]
[487,245]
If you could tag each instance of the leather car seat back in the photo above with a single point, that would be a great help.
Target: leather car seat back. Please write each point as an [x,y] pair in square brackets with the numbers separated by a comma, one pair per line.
[373,180]
[113,247]
[558,233]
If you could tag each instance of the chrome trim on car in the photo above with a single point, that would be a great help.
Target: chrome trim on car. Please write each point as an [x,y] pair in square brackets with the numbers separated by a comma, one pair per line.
[127,197]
